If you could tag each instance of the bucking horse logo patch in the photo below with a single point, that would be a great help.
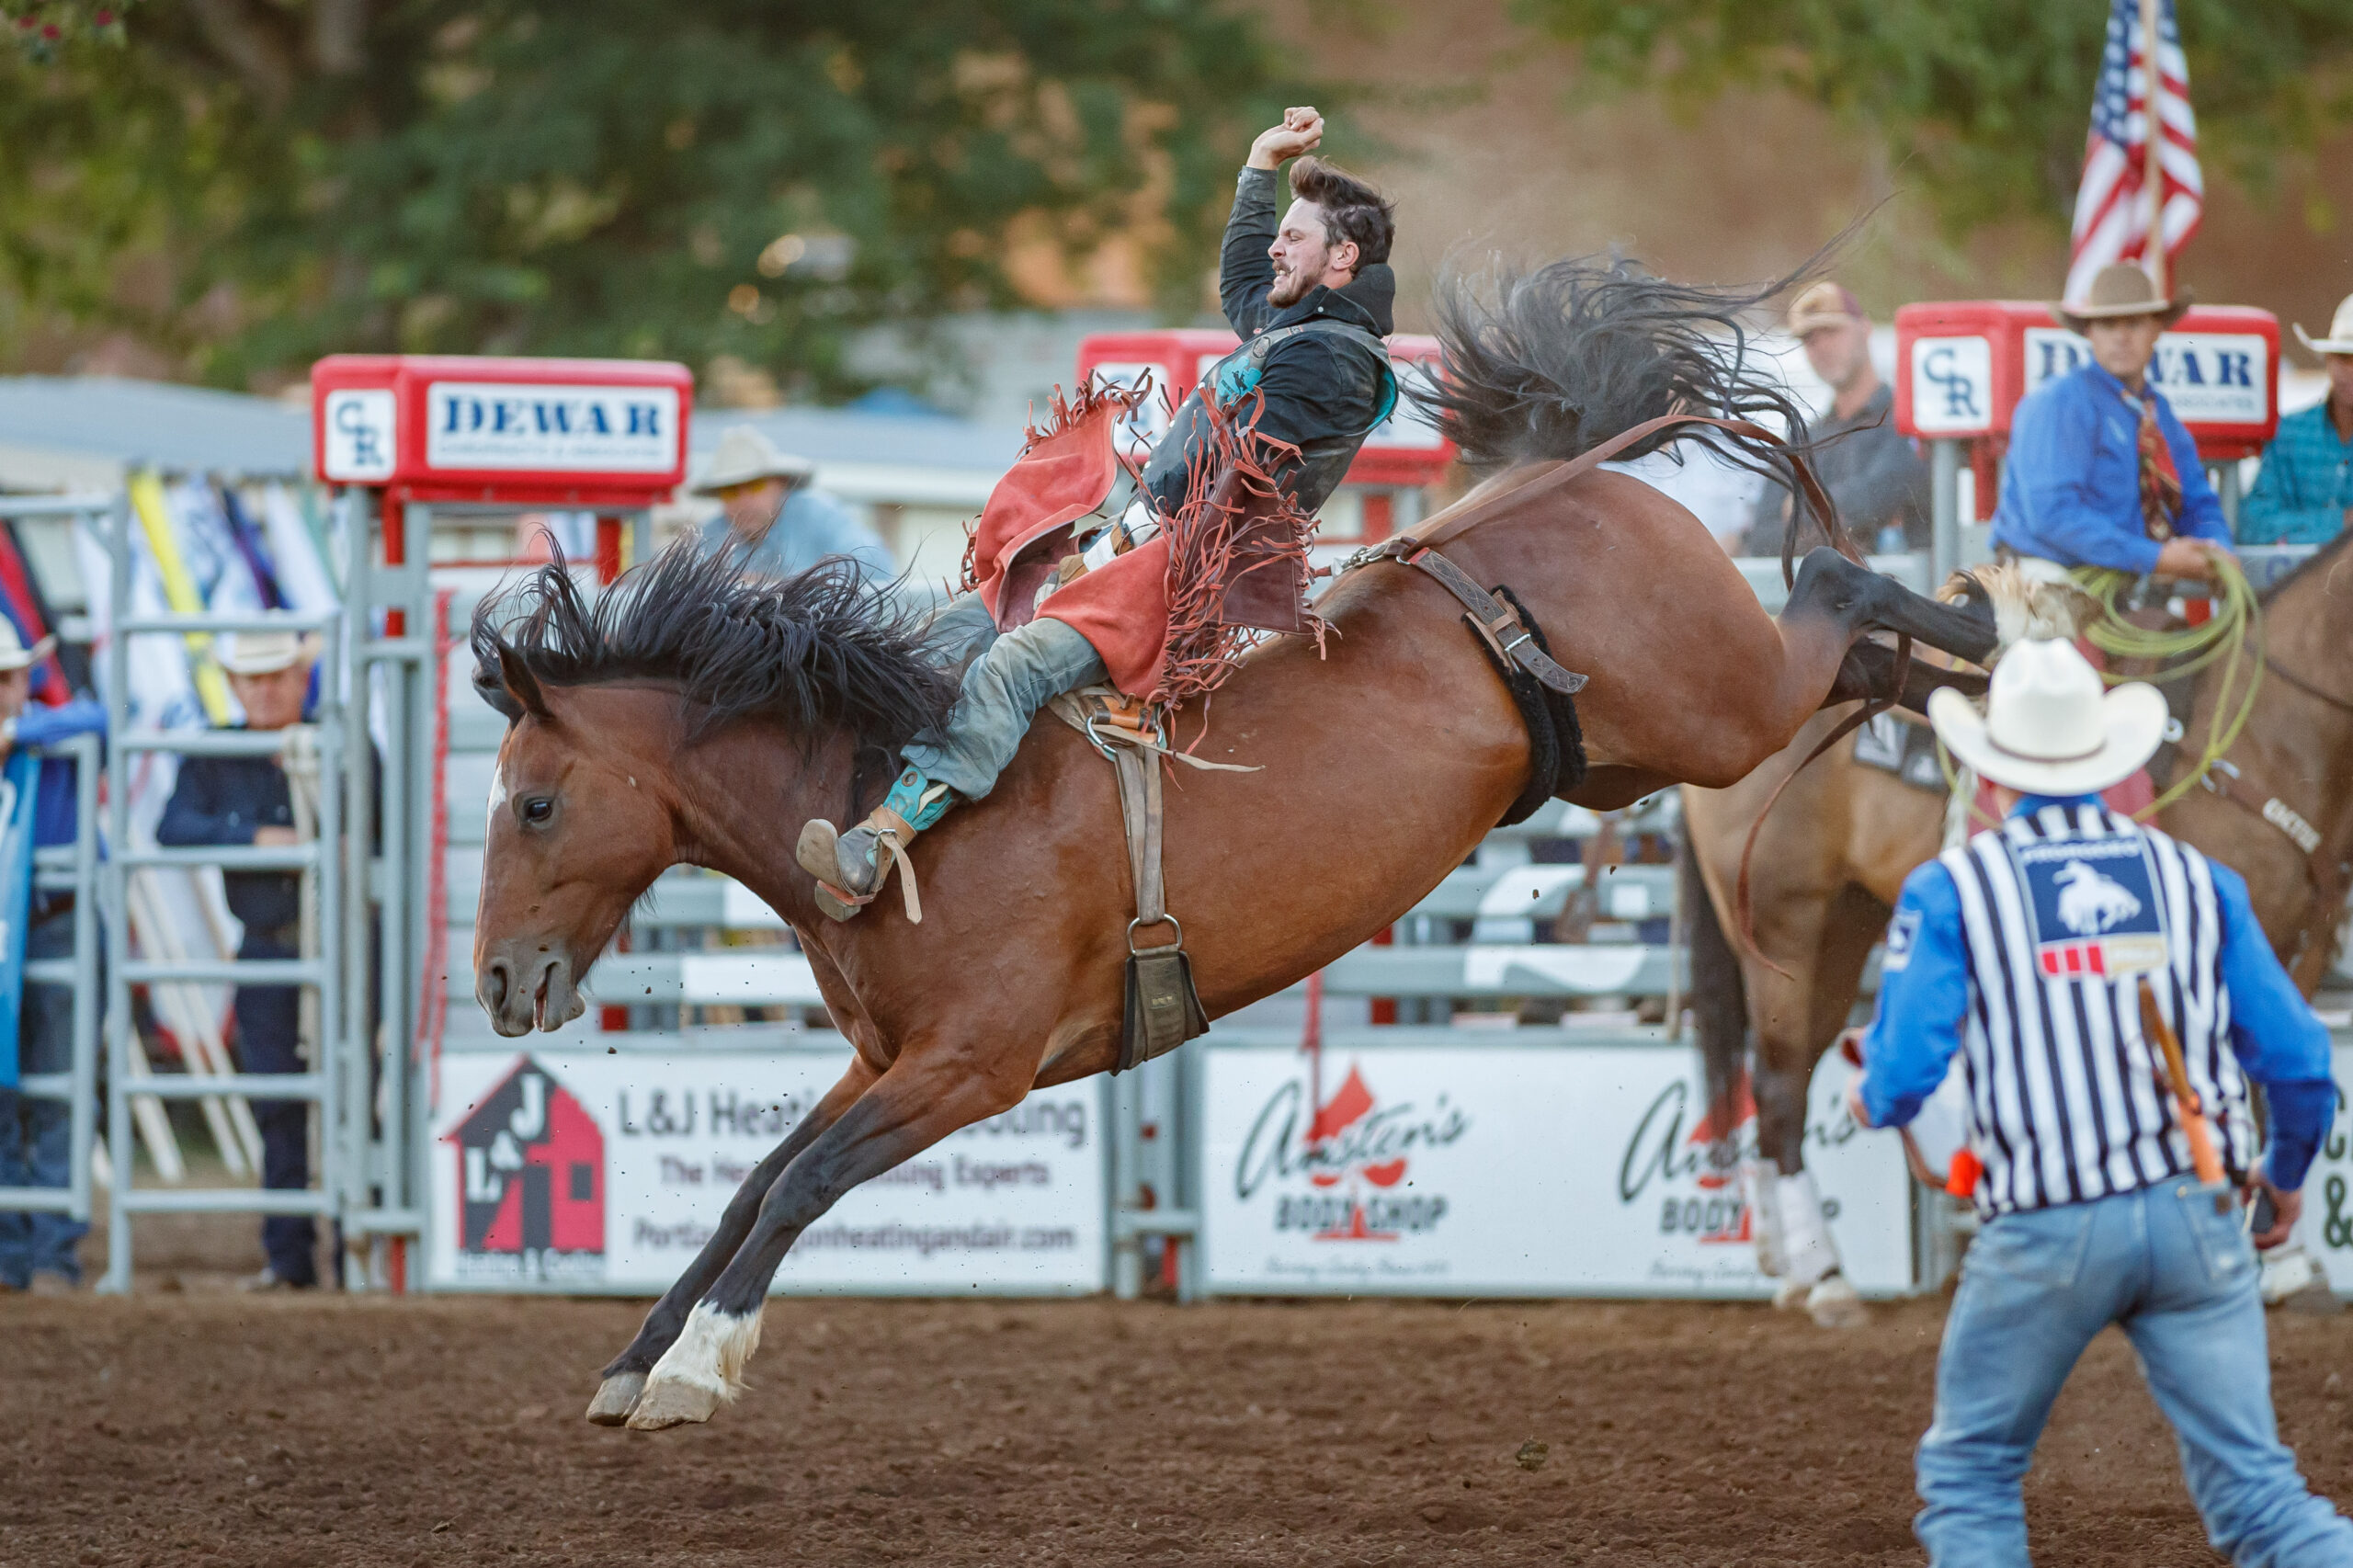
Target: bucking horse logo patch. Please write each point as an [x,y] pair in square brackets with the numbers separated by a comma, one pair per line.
[2093,906]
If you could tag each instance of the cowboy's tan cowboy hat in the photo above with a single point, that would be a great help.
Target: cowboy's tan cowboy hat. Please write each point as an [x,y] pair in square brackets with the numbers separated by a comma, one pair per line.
[747,456]
[14,655]
[2048,729]
[1824,304]
[261,652]
[2340,332]
[2121,291]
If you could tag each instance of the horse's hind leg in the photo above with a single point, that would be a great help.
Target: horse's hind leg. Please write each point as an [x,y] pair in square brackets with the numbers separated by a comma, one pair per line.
[624,1376]
[921,1099]
[1858,599]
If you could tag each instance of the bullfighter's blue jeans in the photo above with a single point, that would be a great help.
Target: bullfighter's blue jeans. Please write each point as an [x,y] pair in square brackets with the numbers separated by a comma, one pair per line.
[2178,1275]
[36,1135]
[1009,678]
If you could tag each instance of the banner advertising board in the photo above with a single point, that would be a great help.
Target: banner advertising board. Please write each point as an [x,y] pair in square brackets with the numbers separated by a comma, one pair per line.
[1501,1170]
[2326,1228]
[573,1170]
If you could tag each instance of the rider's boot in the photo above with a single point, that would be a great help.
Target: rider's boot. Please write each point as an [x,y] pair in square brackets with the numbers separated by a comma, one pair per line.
[851,867]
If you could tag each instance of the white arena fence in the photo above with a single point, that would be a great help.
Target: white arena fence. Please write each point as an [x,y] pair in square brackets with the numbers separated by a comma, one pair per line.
[1497,1102]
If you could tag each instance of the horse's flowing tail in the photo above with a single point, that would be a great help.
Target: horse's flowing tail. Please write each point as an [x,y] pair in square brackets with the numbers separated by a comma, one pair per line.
[1550,363]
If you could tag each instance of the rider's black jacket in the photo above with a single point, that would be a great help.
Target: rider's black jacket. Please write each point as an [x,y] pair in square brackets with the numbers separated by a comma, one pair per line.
[1323,388]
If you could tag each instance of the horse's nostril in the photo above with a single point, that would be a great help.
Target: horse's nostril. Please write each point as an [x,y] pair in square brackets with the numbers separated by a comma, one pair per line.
[494,984]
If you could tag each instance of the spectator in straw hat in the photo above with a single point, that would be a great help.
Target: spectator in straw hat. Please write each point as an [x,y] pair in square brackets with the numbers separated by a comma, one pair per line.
[2304,495]
[2029,951]
[2100,472]
[1873,473]
[36,1251]
[240,801]
[770,513]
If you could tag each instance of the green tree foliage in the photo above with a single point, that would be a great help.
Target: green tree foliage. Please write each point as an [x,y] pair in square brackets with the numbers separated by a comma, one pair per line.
[253,182]
[1981,104]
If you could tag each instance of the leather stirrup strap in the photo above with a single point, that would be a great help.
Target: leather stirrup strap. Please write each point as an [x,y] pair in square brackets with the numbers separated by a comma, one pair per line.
[1142,806]
[892,833]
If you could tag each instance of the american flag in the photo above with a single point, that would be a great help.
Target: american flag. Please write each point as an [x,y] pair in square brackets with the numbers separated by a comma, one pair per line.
[2112,208]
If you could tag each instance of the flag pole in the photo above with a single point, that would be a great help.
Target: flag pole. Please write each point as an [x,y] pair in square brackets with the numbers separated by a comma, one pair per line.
[2153,253]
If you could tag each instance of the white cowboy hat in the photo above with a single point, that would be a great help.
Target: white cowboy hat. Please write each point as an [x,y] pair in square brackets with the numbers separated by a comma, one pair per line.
[2340,332]
[260,652]
[2047,729]
[14,655]
[747,456]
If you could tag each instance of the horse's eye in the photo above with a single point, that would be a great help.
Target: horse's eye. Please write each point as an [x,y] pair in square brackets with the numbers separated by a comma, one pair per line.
[538,808]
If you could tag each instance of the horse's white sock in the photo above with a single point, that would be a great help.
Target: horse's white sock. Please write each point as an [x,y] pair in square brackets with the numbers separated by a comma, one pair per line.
[711,1351]
[1806,1248]
[1765,1208]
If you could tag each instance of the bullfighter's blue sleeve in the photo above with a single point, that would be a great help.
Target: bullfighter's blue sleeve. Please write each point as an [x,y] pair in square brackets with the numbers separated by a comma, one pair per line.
[2275,1036]
[1923,999]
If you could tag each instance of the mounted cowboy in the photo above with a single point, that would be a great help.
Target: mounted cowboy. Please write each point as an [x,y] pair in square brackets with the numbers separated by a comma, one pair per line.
[1219,528]
[2100,471]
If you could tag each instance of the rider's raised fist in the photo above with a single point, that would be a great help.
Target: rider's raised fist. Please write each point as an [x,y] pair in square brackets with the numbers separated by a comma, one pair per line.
[1301,132]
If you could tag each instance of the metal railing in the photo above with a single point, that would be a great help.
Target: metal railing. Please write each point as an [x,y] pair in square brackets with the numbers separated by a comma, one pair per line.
[323,1084]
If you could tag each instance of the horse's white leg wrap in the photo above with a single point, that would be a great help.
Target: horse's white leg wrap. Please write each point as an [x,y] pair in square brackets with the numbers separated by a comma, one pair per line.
[702,1370]
[1765,1211]
[1808,1254]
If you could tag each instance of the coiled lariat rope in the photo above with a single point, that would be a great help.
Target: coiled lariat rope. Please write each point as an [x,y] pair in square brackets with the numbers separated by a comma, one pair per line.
[2238,620]
[2183,652]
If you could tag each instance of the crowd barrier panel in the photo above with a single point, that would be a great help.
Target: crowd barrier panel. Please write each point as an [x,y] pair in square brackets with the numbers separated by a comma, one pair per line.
[70,867]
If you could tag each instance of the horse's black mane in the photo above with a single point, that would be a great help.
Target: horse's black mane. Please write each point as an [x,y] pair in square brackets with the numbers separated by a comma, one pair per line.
[820,651]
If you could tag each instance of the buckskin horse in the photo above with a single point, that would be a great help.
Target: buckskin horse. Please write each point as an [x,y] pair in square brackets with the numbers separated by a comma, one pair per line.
[1832,857]
[688,717]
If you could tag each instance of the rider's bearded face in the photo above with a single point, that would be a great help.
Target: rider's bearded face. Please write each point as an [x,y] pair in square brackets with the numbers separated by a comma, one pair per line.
[1303,254]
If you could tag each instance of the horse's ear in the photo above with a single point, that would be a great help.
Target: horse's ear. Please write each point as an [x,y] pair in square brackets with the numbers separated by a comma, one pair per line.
[519,686]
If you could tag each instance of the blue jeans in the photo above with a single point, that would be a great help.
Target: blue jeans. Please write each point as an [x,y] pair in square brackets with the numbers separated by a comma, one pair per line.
[2178,1275]
[37,1135]
[1009,678]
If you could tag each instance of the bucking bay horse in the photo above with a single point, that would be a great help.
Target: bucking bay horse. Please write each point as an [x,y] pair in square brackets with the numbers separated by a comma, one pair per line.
[691,717]
[1832,855]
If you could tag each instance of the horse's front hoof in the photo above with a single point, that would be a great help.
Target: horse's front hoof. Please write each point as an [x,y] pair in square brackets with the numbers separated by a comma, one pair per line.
[616,1397]
[666,1403]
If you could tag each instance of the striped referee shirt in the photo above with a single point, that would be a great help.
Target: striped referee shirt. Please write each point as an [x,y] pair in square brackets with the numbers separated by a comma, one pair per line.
[2022,949]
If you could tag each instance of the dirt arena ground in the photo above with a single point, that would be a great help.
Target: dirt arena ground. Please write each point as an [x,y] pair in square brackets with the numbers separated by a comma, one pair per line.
[205,1428]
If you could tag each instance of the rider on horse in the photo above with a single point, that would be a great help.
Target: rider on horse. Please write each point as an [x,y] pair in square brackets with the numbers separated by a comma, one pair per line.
[2100,472]
[1310,298]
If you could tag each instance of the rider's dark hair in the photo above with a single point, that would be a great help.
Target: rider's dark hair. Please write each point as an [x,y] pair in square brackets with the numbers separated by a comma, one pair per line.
[1352,209]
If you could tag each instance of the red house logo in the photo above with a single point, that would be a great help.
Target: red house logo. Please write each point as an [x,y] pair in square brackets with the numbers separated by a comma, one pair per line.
[531,1182]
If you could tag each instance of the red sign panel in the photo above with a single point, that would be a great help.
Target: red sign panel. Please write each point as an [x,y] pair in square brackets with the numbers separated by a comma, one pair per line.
[1404,450]
[454,427]
[1961,367]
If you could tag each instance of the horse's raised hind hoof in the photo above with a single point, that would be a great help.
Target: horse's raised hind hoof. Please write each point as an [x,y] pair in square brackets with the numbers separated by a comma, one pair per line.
[668,1403]
[616,1397]
[1834,1304]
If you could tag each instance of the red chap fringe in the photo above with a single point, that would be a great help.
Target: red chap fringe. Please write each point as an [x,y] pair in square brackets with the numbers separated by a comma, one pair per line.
[1202,649]
[1063,415]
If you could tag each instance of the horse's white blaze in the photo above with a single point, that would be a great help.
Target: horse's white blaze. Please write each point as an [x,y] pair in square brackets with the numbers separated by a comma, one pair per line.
[711,1351]
[497,794]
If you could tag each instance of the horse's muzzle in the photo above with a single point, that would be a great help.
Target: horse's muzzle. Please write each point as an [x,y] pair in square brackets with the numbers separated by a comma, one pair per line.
[534,988]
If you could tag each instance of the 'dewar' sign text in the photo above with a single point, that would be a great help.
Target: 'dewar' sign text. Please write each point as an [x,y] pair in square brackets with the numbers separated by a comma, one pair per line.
[580,429]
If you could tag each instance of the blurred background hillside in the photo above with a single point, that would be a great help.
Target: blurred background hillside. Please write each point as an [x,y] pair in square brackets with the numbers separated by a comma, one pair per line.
[923,205]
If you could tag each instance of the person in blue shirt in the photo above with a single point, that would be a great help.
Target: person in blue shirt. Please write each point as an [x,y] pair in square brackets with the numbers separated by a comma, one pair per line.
[2100,472]
[770,513]
[37,1251]
[2026,951]
[2304,493]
